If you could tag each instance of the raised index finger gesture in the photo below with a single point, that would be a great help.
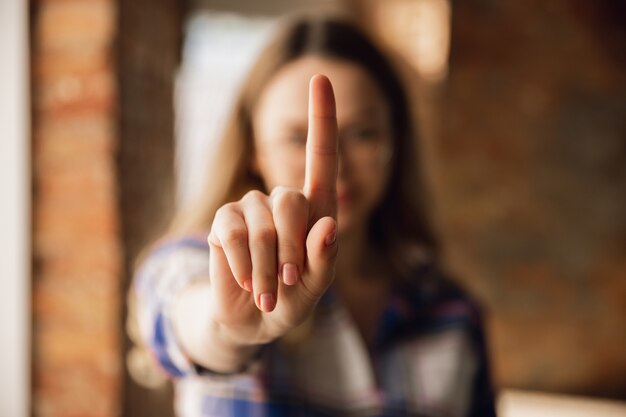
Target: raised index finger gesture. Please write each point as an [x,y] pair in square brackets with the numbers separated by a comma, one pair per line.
[261,238]
[320,190]
[320,183]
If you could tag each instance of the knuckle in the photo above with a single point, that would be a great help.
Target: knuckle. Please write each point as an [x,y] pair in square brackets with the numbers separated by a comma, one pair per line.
[211,238]
[225,209]
[290,199]
[322,149]
[265,280]
[254,196]
[236,237]
[289,250]
[219,214]
[265,236]
[320,189]
[278,190]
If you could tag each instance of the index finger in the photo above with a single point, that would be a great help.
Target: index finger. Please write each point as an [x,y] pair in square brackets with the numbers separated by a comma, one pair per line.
[320,183]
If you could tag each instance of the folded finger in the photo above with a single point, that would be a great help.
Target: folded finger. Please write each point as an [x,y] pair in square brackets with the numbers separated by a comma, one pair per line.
[262,246]
[290,211]
[223,284]
[230,232]
[322,250]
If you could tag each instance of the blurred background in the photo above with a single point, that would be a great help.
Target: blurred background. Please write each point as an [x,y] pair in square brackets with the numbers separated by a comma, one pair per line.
[108,109]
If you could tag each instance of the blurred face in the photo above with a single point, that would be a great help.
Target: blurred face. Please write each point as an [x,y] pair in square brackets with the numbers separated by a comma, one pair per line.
[365,139]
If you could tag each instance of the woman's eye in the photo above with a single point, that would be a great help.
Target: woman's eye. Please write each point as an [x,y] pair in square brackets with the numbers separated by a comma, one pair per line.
[297,139]
[364,134]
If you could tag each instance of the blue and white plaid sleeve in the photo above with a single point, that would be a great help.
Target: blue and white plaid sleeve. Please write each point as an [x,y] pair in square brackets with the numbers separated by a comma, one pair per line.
[169,268]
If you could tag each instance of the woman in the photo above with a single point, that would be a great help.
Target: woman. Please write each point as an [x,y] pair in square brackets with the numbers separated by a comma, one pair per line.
[271,317]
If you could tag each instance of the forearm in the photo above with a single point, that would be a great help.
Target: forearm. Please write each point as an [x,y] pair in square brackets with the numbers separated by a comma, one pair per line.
[200,337]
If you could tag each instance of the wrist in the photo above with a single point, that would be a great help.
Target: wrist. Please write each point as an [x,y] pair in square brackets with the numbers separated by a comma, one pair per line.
[201,338]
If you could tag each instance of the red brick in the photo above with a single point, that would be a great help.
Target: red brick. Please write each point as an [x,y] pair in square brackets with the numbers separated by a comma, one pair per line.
[71,25]
[76,236]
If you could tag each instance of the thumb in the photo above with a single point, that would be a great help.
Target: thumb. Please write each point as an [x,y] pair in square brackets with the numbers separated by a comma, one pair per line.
[321,246]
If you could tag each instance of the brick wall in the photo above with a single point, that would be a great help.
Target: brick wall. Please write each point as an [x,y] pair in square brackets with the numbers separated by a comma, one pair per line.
[103,74]
[77,251]
[533,171]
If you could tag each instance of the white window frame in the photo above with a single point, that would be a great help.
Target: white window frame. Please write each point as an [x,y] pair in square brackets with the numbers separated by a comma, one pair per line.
[15,277]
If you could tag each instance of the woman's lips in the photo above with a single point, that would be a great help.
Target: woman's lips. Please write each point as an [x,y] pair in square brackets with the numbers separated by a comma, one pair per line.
[343,198]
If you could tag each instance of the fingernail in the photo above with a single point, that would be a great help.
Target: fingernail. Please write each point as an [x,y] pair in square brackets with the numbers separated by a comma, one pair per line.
[267,302]
[290,274]
[247,285]
[330,239]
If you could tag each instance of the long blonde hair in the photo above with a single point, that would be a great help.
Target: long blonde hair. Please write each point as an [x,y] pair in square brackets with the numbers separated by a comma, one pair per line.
[401,220]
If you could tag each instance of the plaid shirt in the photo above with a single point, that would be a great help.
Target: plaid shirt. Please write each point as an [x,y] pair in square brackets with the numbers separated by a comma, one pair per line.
[428,358]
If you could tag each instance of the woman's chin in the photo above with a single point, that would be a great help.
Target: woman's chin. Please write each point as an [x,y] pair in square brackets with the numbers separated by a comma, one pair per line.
[347,223]
[344,223]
